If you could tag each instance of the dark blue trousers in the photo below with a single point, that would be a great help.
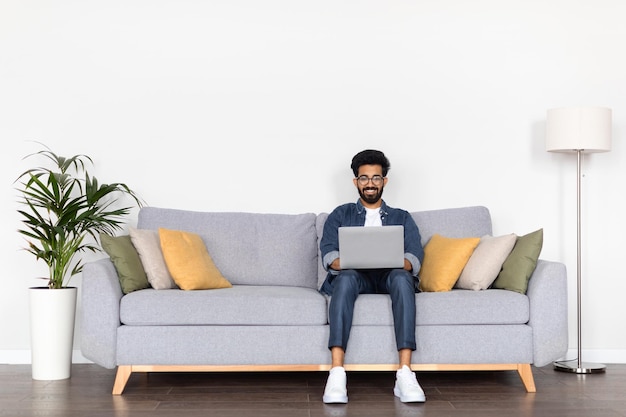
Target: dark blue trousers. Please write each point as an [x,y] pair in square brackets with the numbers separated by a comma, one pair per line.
[346,287]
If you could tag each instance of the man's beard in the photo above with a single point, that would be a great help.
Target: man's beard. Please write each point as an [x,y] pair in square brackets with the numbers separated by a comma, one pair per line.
[371,198]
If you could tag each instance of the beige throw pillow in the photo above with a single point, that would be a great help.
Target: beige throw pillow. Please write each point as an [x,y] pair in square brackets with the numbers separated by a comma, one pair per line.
[486,261]
[148,246]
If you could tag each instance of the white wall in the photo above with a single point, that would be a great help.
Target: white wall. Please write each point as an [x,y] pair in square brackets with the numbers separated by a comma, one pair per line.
[259,106]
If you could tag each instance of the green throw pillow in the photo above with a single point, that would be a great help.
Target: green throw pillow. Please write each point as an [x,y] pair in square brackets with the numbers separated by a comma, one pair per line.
[521,263]
[127,262]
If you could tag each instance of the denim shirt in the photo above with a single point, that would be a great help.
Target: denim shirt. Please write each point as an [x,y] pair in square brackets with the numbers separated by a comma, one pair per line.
[353,214]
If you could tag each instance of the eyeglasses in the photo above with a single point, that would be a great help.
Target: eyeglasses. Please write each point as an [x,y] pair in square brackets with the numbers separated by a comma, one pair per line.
[364,180]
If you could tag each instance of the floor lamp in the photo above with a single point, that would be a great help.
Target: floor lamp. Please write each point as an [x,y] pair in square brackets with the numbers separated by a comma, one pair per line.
[578,130]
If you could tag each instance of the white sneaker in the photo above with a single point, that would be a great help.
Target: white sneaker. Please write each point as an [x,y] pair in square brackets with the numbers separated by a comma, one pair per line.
[407,388]
[336,391]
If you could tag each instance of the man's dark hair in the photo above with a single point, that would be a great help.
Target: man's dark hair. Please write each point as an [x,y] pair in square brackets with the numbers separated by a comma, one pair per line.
[370,157]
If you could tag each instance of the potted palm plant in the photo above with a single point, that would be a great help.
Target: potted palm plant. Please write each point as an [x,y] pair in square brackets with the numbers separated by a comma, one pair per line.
[63,211]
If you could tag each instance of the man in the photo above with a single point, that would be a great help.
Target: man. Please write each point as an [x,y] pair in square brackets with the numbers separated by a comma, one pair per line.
[370,169]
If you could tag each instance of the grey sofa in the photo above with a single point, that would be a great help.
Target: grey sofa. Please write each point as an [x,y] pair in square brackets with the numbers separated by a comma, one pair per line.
[274,318]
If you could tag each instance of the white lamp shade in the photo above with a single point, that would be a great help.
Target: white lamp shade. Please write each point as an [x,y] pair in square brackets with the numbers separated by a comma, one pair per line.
[571,129]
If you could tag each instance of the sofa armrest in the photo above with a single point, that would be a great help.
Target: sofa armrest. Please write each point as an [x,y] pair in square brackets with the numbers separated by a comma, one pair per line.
[547,292]
[100,314]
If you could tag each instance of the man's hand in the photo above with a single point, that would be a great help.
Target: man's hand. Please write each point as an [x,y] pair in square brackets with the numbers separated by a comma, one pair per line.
[407,265]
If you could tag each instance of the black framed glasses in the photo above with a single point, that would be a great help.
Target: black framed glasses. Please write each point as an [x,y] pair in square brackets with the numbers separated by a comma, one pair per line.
[364,180]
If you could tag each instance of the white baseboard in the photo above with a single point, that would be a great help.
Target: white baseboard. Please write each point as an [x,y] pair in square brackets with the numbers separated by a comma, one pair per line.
[605,356]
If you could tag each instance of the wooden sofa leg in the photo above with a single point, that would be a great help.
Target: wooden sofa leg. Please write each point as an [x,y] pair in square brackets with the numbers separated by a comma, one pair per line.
[123,374]
[526,374]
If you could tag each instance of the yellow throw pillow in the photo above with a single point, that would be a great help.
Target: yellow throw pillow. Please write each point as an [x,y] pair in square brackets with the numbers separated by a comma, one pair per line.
[444,260]
[189,261]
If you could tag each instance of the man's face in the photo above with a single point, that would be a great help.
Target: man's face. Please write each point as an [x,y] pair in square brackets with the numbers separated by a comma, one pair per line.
[369,192]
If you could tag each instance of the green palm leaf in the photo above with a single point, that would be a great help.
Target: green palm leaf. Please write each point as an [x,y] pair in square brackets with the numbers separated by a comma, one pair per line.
[64,205]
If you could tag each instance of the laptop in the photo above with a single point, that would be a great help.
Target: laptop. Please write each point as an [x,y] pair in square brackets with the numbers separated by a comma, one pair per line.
[371,247]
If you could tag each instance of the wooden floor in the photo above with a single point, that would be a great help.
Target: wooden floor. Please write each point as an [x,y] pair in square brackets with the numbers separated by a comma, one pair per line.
[467,394]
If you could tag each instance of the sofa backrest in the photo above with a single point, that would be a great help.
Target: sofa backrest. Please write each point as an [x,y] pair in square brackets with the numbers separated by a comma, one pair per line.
[283,249]
[474,221]
[249,248]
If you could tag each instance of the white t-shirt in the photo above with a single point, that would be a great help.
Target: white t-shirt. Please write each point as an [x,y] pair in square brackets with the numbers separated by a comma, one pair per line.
[372,217]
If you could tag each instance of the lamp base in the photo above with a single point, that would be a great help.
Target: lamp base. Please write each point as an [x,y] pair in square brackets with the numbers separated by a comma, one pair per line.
[579,368]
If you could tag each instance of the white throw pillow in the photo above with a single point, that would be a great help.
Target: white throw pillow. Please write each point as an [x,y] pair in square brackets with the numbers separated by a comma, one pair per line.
[148,246]
[485,264]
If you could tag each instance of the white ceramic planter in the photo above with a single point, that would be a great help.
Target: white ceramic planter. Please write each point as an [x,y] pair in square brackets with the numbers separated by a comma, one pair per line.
[52,317]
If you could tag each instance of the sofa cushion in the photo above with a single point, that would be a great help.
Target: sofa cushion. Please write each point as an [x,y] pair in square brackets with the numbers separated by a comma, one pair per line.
[456,307]
[521,263]
[319,226]
[444,260]
[148,246]
[239,305]
[486,261]
[249,248]
[472,221]
[189,262]
[127,263]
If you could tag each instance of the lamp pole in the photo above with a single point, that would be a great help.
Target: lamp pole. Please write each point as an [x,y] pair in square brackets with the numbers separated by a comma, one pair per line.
[580,367]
